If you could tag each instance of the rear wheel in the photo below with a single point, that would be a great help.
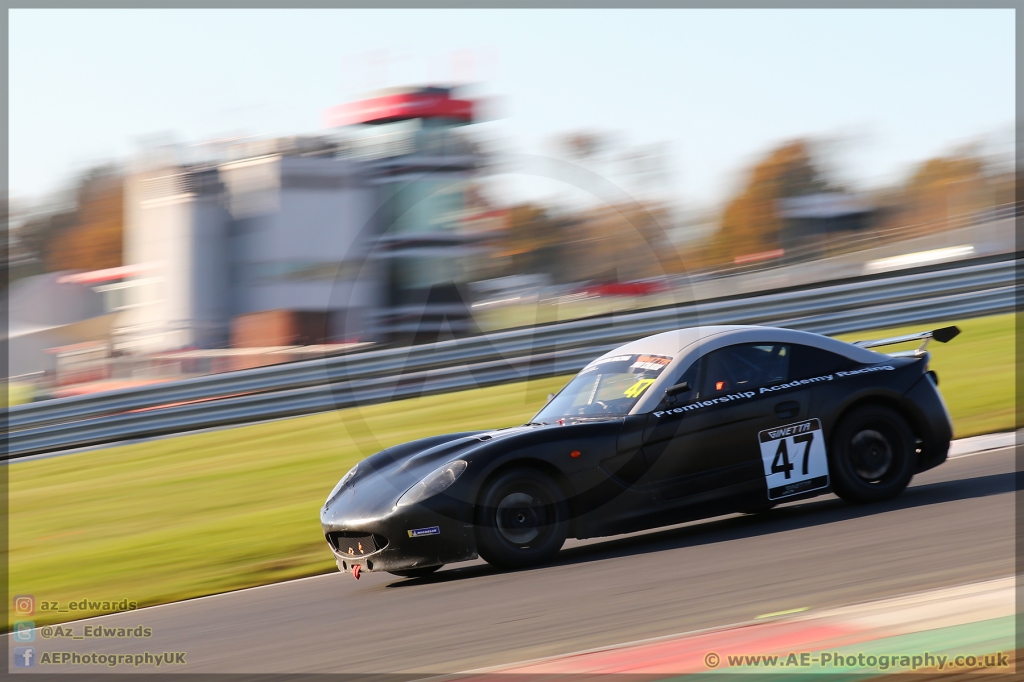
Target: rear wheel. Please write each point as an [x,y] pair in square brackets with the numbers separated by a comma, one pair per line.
[522,519]
[416,572]
[872,456]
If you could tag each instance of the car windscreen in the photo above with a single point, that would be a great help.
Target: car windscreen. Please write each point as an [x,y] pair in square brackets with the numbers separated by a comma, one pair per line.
[607,387]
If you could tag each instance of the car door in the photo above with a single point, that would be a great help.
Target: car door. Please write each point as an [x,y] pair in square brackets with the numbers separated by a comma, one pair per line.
[704,446]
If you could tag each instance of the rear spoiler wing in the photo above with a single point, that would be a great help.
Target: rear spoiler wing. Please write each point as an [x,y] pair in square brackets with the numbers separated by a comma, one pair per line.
[943,335]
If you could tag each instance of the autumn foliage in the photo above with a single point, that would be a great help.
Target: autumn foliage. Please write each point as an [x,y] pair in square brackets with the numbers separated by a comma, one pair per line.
[613,243]
[938,190]
[750,222]
[93,240]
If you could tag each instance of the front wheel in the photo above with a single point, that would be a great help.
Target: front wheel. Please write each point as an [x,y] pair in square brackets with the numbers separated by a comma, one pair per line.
[522,519]
[873,455]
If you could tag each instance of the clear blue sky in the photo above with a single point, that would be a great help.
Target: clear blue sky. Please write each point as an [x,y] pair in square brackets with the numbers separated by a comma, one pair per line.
[717,87]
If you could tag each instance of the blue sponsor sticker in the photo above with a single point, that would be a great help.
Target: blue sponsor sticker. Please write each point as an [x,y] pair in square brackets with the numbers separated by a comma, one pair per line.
[420,532]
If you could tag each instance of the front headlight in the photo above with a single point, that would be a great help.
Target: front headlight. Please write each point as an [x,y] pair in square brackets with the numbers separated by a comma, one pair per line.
[341,484]
[433,483]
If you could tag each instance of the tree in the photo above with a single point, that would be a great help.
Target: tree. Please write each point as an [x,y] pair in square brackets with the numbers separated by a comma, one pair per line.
[34,237]
[750,222]
[94,239]
[533,240]
[624,242]
[940,189]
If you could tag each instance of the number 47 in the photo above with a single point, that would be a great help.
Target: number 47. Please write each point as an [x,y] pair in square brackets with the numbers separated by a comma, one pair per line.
[781,464]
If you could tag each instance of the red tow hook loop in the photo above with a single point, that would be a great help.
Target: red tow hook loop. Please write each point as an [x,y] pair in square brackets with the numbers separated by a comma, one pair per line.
[355,571]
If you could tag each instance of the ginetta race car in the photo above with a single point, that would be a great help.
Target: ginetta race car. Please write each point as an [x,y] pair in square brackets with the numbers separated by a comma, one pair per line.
[678,426]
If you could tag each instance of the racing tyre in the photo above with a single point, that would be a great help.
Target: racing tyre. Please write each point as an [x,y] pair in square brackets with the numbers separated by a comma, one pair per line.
[416,572]
[873,455]
[522,519]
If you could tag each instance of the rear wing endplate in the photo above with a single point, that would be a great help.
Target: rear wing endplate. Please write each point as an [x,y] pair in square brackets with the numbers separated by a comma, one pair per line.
[943,335]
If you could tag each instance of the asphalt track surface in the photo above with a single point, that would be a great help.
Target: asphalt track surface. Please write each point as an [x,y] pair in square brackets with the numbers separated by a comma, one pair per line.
[953,526]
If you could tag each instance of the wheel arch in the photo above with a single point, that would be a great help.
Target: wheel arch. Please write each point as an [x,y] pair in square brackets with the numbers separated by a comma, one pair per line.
[558,476]
[893,402]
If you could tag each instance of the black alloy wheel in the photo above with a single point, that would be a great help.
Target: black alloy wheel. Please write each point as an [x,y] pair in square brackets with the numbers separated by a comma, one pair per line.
[873,455]
[522,519]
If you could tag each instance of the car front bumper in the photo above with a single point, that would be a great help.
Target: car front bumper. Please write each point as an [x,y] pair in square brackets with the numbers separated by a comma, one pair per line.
[406,538]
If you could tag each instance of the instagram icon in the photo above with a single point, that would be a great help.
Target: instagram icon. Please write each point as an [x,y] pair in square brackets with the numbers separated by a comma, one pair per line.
[24,604]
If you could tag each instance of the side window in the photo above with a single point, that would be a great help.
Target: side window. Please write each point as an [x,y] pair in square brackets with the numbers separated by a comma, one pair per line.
[690,377]
[814,362]
[743,367]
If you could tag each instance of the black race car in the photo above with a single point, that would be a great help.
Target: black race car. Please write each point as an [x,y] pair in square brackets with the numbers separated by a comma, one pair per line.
[678,426]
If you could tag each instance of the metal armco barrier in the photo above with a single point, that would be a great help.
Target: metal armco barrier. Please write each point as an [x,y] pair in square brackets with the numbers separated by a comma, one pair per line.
[312,386]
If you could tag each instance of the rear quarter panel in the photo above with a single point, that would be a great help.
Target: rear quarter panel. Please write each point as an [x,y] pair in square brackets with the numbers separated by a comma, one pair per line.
[892,387]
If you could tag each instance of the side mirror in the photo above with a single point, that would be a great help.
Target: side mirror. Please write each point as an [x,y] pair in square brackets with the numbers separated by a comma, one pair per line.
[673,391]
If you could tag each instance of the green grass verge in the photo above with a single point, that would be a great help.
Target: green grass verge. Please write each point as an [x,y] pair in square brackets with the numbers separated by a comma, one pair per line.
[204,513]
[976,371]
[181,517]
[18,394]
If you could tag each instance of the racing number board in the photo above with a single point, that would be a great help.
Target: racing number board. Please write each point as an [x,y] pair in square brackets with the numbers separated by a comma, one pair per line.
[794,458]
